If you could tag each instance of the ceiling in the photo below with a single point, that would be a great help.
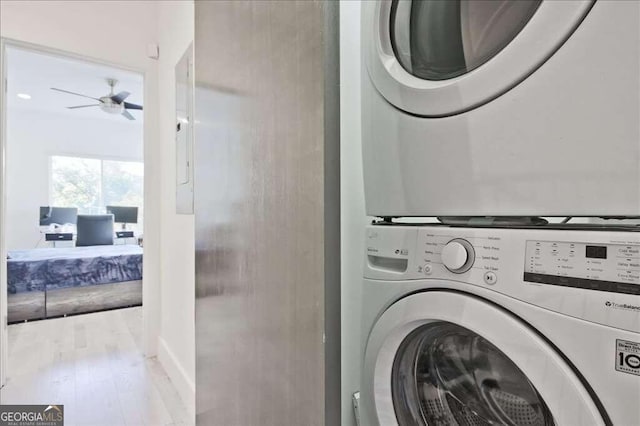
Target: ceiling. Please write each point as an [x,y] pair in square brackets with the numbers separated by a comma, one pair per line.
[35,73]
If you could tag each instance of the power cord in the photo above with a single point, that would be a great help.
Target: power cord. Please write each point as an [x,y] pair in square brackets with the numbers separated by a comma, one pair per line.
[39,240]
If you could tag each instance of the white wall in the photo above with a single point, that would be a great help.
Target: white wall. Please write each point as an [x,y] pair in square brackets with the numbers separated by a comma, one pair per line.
[32,137]
[71,26]
[177,329]
[353,219]
[74,26]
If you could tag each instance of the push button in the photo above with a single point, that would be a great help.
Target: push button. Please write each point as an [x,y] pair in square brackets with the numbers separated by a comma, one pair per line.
[427,269]
[490,278]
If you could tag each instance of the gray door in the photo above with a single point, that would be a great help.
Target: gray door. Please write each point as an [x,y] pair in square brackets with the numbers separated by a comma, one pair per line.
[267,213]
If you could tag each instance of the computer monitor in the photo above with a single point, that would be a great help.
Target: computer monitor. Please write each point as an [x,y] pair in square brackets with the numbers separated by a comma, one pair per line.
[124,215]
[58,215]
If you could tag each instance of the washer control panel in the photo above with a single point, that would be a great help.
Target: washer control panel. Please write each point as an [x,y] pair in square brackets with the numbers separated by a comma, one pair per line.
[605,267]
[589,274]
[447,252]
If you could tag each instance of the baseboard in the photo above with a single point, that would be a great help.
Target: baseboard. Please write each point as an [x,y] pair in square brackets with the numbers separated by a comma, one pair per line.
[185,387]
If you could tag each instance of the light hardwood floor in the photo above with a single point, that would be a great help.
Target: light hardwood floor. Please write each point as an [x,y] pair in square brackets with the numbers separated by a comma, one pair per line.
[93,364]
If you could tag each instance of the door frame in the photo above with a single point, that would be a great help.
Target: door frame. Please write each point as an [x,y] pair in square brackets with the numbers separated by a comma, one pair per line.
[150,294]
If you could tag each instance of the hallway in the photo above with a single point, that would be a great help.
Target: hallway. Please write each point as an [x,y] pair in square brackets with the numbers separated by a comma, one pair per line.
[93,365]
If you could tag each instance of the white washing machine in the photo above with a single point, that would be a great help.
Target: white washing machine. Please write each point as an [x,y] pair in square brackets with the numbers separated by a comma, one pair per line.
[501,107]
[479,326]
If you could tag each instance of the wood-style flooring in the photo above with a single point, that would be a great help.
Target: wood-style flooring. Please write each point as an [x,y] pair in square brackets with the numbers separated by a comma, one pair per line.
[93,364]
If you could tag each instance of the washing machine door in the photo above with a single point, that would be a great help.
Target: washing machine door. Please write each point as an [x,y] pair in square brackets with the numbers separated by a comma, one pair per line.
[437,58]
[446,358]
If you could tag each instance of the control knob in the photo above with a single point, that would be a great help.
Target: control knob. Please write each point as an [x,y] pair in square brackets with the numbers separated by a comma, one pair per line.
[458,255]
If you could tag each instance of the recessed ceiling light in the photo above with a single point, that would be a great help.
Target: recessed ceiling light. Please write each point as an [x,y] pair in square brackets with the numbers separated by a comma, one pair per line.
[24,96]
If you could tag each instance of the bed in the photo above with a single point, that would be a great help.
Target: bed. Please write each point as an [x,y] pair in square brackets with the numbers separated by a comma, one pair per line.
[51,282]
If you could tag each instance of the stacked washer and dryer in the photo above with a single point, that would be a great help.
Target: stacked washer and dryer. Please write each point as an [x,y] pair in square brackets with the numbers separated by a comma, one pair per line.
[474,111]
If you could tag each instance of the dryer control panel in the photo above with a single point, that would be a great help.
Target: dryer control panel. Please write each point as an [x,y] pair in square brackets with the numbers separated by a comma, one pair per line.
[605,267]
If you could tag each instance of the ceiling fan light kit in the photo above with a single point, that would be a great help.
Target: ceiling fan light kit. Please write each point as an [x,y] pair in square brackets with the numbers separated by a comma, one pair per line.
[111,103]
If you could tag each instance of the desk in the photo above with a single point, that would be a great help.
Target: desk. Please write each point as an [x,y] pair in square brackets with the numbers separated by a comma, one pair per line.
[60,239]
[125,237]
[125,240]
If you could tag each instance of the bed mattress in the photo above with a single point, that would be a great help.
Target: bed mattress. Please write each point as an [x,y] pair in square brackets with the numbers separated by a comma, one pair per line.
[51,268]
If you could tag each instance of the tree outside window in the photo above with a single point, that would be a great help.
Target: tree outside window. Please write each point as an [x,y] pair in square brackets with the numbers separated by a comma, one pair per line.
[91,184]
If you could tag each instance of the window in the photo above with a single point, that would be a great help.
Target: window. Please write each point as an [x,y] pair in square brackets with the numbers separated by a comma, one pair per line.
[90,184]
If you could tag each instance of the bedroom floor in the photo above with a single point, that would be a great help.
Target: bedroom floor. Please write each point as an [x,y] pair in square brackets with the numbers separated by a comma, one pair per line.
[93,364]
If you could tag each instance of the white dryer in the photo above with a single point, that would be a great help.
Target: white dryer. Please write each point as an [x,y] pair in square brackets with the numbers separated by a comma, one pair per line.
[476,326]
[501,107]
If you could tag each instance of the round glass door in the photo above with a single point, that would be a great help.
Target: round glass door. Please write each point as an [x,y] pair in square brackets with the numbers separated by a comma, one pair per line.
[438,40]
[436,58]
[446,374]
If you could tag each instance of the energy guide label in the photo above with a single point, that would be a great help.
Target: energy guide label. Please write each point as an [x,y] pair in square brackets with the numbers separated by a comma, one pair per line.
[628,357]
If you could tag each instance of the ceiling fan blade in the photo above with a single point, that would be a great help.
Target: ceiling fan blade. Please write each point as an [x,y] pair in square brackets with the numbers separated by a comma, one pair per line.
[128,115]
[127,105]
[83,106]
[118,98]
[77,94]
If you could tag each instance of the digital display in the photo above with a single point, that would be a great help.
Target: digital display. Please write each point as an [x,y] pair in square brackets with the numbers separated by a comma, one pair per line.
[591,266]
[596,252]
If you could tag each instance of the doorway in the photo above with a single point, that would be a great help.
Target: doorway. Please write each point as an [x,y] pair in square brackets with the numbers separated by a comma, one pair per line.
[72,142]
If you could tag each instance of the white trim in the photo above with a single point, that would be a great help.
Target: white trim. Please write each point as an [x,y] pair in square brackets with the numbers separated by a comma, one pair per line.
[54,153]
[52,51]
[4,351]
[179,377]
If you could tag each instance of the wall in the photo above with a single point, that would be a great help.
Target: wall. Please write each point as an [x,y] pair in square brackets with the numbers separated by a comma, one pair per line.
[70,26]
[73,26]
[32,137]
[352,205]
[177,329]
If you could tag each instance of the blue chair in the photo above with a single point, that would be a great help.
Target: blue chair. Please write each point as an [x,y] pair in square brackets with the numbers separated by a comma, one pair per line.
[94,230]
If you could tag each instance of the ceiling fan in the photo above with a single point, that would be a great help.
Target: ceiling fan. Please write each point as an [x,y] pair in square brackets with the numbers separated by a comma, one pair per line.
[111,103]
